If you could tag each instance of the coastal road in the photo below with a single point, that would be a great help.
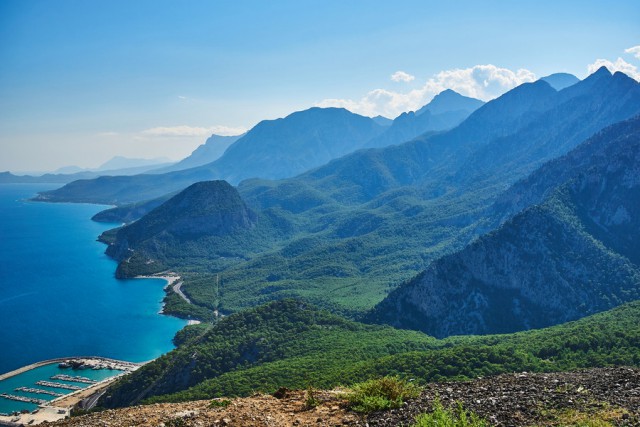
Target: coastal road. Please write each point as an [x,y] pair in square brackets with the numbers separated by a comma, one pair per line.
[177,290]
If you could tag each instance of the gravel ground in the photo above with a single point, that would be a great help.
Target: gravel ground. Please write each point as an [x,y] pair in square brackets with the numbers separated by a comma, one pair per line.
[526,399]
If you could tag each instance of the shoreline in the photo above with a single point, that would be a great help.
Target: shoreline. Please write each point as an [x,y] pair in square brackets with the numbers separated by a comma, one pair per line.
[172,280]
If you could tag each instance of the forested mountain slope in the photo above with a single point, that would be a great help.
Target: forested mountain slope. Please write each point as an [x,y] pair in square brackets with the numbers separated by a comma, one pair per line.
[575,254]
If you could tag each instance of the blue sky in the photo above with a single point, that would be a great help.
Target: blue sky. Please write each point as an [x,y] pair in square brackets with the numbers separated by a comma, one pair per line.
[82,81]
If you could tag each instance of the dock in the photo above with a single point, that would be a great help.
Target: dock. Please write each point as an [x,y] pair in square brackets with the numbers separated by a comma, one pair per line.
[39,391]
[76,379]
[23,399]
[58,385]
[71,394]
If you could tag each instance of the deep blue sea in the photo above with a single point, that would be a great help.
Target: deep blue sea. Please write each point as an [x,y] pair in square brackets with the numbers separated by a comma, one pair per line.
[58,293]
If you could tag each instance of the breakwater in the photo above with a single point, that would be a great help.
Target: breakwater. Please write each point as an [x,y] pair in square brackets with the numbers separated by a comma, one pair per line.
[58,385]
[23,399]
[83,380]
[39,391]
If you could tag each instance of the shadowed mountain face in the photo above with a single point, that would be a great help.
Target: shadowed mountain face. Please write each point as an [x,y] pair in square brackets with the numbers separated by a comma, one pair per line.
[573,255]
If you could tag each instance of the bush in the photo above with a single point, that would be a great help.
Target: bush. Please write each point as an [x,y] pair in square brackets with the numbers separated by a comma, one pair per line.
[380,394]
[219,403]
[441,417]
[311,401]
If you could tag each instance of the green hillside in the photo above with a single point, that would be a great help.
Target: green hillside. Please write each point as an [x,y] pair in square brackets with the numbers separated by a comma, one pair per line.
[291,344]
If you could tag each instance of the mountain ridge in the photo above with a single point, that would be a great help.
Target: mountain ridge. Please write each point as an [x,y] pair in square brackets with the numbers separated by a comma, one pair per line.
[570,256]
[385,214]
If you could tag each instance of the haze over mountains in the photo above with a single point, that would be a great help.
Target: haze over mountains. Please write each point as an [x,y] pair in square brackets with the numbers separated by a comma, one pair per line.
[115,166]
[213,148]
[276,149]
[445,111]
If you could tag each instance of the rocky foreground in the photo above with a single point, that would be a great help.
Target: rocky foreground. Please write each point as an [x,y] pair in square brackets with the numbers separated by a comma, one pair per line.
[556,399]
[609,396]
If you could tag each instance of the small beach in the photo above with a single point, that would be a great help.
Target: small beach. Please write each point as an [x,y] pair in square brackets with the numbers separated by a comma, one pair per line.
[174,281]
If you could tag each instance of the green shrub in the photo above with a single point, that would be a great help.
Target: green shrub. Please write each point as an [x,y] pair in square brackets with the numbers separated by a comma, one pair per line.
[219,403]
[441,417]
[380,394]
[311,401]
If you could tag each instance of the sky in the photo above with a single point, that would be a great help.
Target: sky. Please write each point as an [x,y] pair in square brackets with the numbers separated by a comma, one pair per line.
[82,81]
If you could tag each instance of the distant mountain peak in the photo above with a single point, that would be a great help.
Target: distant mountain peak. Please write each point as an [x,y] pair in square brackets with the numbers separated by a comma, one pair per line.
[449,100]
[559,81]
[602,71]
[382,120]
[121,162]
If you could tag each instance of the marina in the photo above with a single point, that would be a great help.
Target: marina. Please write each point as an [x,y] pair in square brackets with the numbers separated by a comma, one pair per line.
[45,391]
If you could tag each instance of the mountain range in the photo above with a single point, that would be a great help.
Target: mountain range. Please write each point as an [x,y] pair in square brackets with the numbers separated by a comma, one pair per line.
[273,149]
[116,166]
[571,255]
[343,235]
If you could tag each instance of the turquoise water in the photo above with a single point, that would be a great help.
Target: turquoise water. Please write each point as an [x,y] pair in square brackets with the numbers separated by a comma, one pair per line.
[58,293]
[29,379]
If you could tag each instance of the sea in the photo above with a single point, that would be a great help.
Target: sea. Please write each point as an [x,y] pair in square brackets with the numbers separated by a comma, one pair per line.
[58,293]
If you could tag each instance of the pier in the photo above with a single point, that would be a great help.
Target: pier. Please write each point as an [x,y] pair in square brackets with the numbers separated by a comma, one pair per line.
[23,399]
[83,380]
[39,391]
[58,385]
[63,400]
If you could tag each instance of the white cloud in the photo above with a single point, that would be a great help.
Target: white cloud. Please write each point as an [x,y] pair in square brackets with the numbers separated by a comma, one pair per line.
[401,76]
[635,51]
[620,65]
[192,131]
[481,81]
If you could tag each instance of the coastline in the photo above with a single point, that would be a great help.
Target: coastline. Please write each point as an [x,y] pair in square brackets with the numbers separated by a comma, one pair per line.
[171,278]
[174,281]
